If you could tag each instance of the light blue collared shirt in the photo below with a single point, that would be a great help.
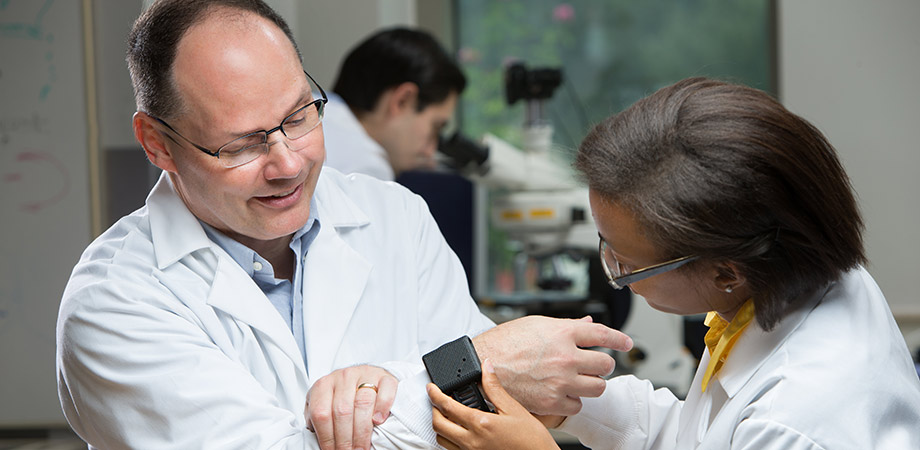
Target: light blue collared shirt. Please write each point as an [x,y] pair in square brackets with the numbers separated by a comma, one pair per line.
[285,296]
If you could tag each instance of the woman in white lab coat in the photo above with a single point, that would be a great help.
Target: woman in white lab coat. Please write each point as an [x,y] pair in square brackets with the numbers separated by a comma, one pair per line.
[712,197]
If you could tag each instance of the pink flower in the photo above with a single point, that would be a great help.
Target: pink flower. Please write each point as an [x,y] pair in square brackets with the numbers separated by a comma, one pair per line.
[563,12]
[468,55]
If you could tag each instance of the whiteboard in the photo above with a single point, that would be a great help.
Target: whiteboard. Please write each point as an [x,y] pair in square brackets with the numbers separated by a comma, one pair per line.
[44,195]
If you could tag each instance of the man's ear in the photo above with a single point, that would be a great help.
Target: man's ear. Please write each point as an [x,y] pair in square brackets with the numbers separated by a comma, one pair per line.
[153,141]
[402,99]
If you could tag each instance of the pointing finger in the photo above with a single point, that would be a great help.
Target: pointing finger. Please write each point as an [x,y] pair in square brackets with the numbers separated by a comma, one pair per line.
[597,335]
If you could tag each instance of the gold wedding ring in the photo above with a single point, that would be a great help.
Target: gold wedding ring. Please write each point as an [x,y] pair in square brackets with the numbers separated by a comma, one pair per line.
[368,386]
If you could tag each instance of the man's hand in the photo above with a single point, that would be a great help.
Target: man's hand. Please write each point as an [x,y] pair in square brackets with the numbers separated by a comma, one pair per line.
[343,407]
[544,363]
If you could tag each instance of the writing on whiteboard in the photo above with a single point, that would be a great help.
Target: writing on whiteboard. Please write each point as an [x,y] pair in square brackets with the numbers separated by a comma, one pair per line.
[25,20]
[53,185]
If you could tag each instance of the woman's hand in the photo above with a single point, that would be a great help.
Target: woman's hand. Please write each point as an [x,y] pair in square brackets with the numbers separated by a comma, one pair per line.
[513,427]
[344,407]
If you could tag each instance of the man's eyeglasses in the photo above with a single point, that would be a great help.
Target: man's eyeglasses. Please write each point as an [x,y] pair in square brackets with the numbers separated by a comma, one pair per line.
[619,276]
[247,148]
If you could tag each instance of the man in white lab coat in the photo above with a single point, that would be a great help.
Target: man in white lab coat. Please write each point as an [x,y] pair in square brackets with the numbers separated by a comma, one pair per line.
[395,92]
[242,305]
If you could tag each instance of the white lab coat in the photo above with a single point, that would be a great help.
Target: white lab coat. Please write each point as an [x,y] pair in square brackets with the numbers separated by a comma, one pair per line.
[835,374]
[165,342]
[349,148]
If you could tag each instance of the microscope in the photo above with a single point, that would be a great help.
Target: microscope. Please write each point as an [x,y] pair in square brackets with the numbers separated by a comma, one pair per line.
[535,243]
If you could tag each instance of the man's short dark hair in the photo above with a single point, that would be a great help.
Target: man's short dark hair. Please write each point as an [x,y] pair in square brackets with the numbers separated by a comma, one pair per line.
[155,36]
[394,56]
[726,173]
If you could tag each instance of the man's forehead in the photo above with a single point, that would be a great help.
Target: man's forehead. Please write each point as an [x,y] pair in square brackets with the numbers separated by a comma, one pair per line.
[239,69]
[225,26]
[226,16]
[443,109]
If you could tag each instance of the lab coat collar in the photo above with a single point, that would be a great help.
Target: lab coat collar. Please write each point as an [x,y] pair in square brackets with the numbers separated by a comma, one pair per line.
[174,229]
[755,345]
[334,207]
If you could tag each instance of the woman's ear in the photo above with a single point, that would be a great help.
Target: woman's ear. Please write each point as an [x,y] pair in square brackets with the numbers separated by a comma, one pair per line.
[150,137]
[727,277]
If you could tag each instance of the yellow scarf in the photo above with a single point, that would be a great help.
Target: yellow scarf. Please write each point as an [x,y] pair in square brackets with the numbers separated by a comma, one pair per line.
[722,335]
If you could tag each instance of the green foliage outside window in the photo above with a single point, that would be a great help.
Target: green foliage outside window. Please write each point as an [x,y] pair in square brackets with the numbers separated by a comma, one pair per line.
[612,53]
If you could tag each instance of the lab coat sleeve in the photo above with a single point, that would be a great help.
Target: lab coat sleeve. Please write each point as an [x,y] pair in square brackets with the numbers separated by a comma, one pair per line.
[629,414]
[412,409]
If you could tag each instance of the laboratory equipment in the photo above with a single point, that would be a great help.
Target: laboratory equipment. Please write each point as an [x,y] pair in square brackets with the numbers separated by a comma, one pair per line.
[535,243]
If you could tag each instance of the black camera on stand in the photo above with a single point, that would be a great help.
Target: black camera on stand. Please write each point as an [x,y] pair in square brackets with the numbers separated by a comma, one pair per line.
[527,84]
[533,85]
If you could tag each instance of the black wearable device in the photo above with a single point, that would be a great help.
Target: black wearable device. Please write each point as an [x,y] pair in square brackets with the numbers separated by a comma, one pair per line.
[454,368]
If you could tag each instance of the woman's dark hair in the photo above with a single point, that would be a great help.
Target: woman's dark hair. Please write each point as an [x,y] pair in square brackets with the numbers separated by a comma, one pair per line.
[725,172]
[155,36]
[394,56]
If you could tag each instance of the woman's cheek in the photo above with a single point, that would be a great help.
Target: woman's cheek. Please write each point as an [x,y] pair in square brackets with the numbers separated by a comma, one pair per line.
[638,288]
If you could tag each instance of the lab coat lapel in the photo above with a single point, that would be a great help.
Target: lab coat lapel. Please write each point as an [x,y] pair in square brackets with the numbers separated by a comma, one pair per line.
[755,346]
[335,276]
[702,412]
[334,281]
[177,233]
[234,293]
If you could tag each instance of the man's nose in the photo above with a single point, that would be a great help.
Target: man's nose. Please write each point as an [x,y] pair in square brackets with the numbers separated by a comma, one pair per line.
[282,159]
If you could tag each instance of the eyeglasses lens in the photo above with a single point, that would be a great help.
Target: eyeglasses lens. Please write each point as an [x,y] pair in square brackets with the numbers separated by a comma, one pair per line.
[251,146]
[303,121]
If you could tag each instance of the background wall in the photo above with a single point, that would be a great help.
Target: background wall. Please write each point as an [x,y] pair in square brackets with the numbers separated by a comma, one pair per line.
[328,30]
[852,68]
[45,194]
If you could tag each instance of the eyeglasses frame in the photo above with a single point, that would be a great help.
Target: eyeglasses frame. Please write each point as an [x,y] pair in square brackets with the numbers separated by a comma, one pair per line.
[324,100]
[622,281]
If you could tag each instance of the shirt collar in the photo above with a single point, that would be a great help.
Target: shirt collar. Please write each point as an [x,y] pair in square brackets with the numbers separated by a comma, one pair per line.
[252,262]
[722,335]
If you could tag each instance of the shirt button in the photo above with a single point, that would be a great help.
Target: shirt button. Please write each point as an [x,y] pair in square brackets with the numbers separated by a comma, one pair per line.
[257,266]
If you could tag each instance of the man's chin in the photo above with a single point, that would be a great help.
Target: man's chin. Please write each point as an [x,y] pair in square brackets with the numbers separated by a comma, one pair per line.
[284,232]
[277,229]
